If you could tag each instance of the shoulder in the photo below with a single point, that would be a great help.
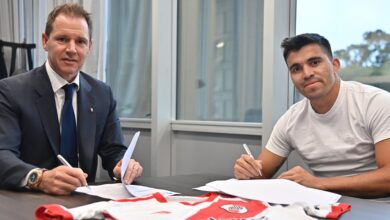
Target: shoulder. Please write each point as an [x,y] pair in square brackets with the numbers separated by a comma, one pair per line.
[297,109]
[25,81]
[366,95]
[293,116]
[93,84]
[95,88]
[363,90]
[22,77]
[93,81]
[296,116]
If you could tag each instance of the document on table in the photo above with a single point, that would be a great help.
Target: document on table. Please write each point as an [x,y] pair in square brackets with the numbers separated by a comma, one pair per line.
[277,191]
[121,190]
[117,191]
[129,152]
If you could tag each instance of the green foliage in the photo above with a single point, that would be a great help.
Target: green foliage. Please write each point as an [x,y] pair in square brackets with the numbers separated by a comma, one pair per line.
[373,52]
[368,62]
[376,72]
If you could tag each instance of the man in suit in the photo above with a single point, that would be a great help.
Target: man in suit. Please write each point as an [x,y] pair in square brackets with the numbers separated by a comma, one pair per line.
[32,131]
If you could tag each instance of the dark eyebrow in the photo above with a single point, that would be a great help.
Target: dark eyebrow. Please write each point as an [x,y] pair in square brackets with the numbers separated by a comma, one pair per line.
[60,36]
[314,58]
[84,38]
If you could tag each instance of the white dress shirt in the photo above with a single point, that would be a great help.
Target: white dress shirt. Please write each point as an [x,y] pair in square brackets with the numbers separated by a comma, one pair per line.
[57,82]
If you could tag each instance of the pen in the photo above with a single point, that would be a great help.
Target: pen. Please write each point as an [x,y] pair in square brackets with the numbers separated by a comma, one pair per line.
[66,163]
[246,148]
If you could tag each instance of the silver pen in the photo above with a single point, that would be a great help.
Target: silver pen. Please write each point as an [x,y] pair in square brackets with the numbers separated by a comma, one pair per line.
[246,148]
[66,163]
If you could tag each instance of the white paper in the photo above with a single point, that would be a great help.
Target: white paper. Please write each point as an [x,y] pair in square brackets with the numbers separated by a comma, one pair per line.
[207,189]
[277,191]
[118,191]
[121,190]
[138,190]
[129,152]
[108,191]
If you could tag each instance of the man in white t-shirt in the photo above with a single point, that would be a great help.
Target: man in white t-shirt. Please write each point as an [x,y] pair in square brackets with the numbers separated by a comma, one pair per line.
[340,129]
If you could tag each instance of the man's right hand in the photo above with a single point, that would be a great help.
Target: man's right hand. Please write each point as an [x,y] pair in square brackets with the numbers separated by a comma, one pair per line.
[62,180]
[247,167]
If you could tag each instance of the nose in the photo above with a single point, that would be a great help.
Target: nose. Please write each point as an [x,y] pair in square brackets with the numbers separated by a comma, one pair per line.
[71,48]
[307,72]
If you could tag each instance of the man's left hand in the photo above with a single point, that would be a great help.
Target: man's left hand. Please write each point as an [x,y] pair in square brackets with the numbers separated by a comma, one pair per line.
[301,176]
[133,170]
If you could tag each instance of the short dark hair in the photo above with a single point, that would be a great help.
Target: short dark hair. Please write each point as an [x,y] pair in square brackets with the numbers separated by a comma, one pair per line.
[71,9]
[295,43]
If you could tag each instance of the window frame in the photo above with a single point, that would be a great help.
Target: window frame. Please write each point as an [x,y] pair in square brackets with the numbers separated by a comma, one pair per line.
[275,99]
[277,88]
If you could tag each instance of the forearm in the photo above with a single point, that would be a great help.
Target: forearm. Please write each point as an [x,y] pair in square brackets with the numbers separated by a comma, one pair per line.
[371,184]
[12,171]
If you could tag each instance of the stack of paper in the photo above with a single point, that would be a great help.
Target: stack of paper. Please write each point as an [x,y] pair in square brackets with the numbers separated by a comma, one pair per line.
[117,191]
[121,190]
[276,191]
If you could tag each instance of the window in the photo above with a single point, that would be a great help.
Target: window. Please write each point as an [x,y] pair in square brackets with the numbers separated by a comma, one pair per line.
[359,37]
[129,56]
[220,60]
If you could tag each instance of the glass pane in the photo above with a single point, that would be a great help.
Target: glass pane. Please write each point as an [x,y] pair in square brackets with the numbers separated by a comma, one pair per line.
[359,37]
[129,56]
[220,60]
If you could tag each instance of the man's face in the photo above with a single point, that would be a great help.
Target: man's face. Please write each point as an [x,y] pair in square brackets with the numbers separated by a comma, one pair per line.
[312,72]
[67,46]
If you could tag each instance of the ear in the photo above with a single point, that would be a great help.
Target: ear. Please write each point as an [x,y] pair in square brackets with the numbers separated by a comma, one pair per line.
[45,38]
[336,65]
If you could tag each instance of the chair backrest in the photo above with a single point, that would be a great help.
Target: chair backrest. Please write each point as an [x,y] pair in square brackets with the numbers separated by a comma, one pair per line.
[14,46]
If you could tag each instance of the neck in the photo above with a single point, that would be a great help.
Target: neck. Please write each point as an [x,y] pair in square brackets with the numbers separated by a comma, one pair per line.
[324,104]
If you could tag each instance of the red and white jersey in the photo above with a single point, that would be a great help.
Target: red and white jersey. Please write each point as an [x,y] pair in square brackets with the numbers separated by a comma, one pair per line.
[209,206]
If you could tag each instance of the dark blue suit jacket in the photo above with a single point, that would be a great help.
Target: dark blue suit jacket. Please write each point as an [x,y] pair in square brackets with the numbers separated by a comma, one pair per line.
[29,128]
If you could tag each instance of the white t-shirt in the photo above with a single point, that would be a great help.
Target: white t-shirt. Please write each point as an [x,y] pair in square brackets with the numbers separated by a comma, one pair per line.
[341,141]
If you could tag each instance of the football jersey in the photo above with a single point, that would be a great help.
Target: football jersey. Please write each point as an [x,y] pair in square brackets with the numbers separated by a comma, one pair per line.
[209,206]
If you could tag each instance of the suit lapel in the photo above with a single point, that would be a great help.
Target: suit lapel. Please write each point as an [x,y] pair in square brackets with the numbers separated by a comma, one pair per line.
[45,104]
[86,124]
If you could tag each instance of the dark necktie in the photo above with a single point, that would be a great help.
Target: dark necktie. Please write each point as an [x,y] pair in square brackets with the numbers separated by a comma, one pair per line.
[68,148]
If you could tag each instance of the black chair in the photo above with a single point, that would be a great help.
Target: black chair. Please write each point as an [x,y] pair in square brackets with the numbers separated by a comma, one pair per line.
[14,47]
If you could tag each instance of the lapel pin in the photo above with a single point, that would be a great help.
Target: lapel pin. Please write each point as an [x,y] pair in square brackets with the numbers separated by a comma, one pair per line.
[91,109]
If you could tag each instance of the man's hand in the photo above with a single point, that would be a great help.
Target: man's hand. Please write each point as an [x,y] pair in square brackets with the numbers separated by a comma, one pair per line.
[133,170]
[62,180]
[247,167]
[301,176]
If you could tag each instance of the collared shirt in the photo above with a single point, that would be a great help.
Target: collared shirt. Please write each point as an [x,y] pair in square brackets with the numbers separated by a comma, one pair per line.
[57,82]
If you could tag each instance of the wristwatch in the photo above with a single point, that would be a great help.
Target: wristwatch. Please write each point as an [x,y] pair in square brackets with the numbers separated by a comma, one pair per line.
[35,178]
